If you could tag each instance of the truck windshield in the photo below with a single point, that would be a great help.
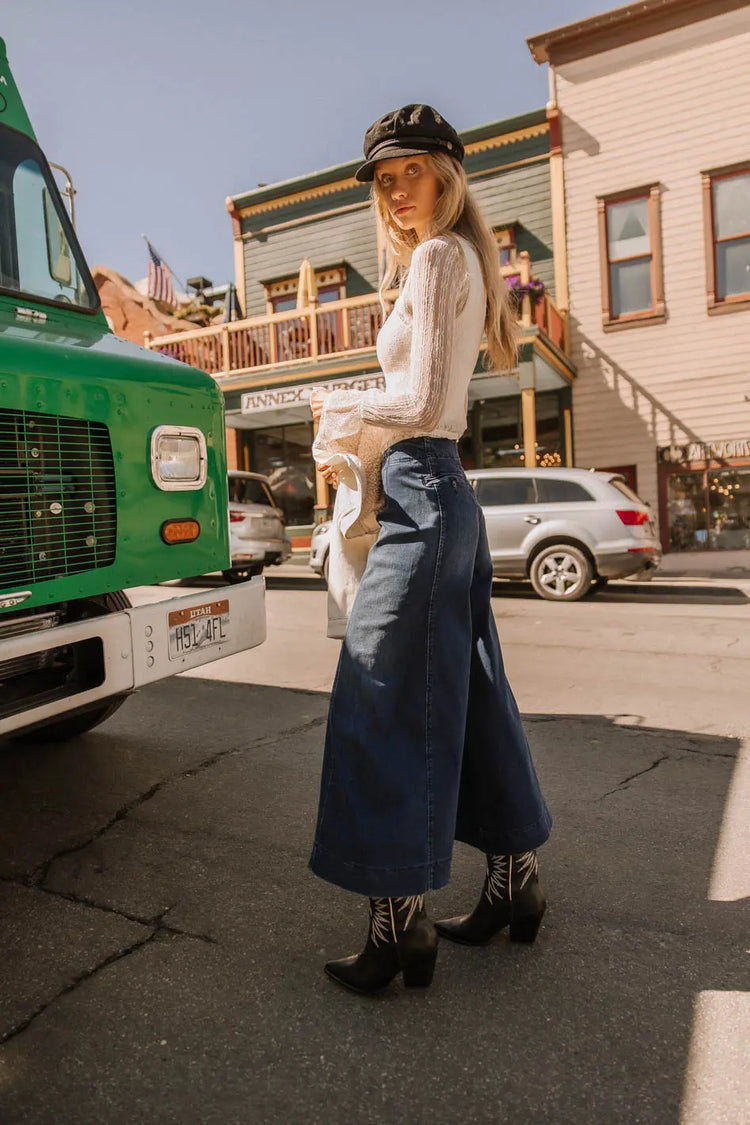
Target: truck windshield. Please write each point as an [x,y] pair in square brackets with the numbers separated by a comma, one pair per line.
[39,255]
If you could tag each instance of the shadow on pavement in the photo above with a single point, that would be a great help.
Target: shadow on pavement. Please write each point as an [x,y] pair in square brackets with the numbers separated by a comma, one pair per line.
[163,941]
[289,582]
[273,581]
[643,592]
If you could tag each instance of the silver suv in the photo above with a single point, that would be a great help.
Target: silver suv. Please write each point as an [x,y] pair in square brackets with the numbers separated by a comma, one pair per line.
[565,529]
[257,536]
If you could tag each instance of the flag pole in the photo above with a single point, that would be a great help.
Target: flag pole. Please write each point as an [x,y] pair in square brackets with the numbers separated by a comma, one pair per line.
[166,263]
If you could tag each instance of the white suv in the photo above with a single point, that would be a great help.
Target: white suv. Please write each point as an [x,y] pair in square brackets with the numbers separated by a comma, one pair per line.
[257,536]
[565,529]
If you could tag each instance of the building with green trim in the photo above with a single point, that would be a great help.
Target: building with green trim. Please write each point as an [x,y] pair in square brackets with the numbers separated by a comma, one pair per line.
[308,267]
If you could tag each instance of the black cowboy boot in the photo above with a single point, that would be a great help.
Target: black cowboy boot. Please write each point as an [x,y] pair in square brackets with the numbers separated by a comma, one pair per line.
[511,896]
[401,939]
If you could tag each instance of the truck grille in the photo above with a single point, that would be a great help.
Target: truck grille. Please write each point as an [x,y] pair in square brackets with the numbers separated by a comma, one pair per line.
[19,627]
[58,510]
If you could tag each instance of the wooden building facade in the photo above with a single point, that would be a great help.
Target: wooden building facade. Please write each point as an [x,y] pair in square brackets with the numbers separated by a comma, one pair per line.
[308,267]
[654,248]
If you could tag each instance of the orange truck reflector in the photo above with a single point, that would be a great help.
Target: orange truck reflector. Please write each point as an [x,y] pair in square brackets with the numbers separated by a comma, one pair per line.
[180,531]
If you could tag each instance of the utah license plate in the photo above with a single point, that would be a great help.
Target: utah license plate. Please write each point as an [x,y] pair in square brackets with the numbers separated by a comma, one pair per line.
[197,628]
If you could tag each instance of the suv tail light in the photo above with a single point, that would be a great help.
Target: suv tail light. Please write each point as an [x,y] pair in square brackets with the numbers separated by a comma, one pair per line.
[235,516]
[632,518]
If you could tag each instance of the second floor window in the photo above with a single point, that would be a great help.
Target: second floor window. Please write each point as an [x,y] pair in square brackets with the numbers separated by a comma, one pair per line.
[281,295]
[287,302]
[291,338]
[629,256]
[284,303]
[630,252]
[730,199]
[506,244]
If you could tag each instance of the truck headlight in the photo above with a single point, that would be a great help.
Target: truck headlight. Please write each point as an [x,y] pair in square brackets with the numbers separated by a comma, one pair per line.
[178,458]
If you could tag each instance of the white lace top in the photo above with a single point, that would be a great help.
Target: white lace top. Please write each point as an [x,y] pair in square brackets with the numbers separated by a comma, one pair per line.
[427,349]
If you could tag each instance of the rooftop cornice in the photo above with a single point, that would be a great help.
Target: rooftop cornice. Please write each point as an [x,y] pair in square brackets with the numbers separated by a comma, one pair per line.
[620,26]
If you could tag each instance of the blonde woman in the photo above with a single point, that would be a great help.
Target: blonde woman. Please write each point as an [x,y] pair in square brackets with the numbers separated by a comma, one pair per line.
[424,743]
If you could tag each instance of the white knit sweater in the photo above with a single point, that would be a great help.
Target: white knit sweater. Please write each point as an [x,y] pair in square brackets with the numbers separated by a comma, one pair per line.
[427,349]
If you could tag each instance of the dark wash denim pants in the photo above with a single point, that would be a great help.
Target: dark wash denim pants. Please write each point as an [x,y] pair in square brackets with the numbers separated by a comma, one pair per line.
[424,742]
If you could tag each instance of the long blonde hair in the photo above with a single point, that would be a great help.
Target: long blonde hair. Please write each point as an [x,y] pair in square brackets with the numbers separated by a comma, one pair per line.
[456,210]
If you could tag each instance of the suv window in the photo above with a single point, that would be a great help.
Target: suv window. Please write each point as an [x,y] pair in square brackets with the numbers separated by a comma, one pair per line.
[626,490]
[505,490]
[552,490]
[246,490]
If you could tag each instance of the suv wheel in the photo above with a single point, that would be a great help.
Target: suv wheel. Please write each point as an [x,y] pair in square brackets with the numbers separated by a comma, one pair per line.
[561,573]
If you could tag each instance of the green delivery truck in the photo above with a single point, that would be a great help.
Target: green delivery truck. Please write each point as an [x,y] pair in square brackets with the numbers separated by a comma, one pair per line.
[112,475]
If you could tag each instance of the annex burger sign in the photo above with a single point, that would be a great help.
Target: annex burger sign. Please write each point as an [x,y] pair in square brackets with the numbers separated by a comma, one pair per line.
[278,398]
[729,450]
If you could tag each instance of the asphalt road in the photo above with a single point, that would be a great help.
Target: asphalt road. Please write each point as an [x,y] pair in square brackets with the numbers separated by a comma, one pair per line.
[163,939]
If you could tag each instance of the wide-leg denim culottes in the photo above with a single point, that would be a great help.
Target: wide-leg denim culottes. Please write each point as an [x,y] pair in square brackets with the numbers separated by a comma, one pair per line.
[424,742]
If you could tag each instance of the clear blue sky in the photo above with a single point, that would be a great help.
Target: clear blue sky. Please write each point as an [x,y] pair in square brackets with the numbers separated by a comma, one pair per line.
[162,108]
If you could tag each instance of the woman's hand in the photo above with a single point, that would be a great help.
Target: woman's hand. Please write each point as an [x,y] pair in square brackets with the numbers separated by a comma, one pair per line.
[318,395]
[329,474]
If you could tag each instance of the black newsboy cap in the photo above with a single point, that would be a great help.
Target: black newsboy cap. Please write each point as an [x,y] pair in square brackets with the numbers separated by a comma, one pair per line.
[409,131]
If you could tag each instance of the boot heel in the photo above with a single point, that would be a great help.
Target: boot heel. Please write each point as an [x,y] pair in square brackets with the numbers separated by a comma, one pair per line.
[418,970]
[526,929]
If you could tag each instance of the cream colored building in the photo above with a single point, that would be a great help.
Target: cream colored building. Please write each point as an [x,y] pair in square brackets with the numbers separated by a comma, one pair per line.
[649,109]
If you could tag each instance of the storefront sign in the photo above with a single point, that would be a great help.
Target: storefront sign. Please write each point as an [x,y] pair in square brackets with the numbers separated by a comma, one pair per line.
[728,450]
[277,398]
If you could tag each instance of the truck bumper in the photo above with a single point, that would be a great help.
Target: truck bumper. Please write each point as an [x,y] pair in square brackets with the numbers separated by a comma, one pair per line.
[146,643]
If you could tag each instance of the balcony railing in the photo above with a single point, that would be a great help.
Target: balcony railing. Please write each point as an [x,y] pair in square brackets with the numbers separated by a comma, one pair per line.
[550,320]
[319,331]
[305,335]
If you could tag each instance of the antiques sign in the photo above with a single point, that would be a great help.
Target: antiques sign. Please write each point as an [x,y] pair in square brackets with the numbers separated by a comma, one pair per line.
[277,398]
[706,451]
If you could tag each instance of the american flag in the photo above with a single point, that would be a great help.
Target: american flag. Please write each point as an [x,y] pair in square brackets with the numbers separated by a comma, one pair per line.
[159,278]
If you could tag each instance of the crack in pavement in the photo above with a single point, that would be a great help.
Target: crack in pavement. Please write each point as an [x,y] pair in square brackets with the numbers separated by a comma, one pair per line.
[38,876]
[105,908]
[624,784]
[75,983]
[158,928]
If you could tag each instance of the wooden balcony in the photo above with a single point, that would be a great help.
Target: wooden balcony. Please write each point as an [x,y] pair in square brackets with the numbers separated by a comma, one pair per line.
[264,343]
[316,332]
